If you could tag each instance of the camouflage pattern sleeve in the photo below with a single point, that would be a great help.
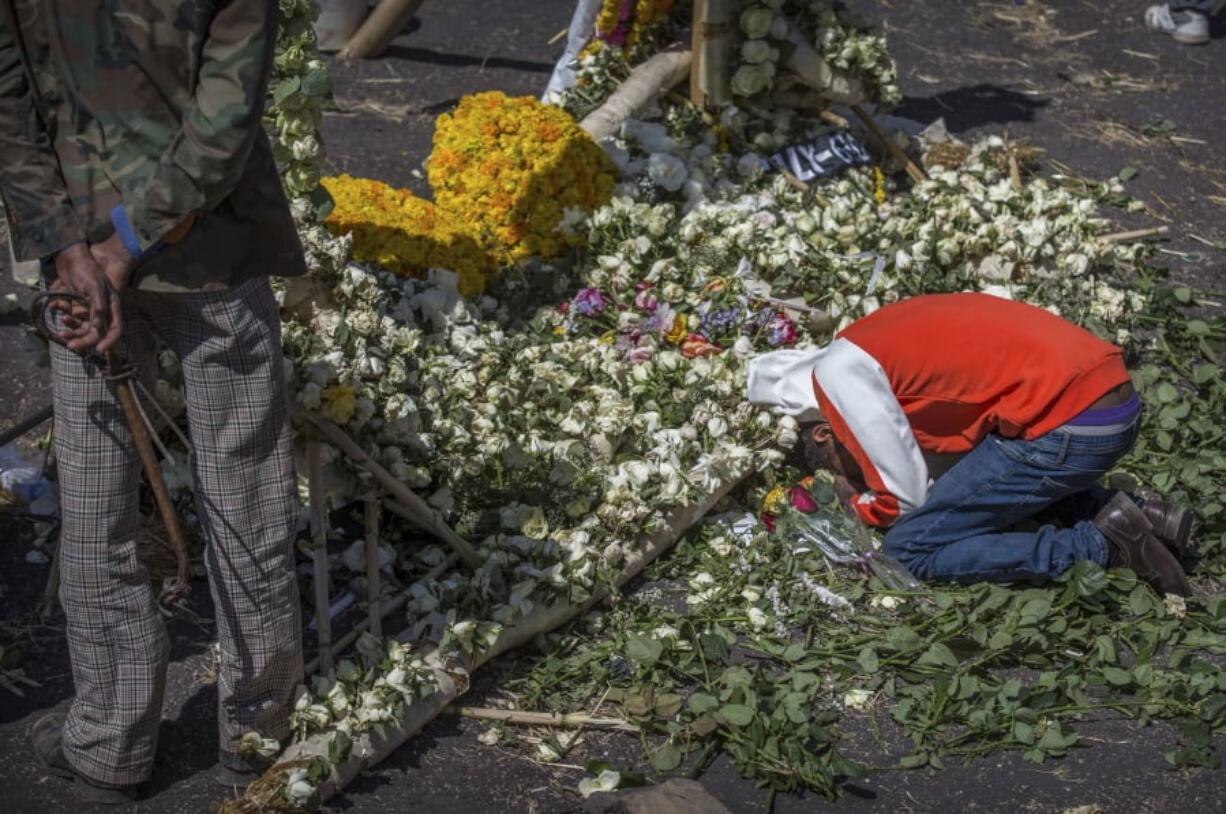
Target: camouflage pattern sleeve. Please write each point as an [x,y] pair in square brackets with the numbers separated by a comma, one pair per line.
[41,218]
[207,156]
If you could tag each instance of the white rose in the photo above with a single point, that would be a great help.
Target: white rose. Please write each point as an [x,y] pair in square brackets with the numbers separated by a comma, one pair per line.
[756,22]
[666,171]
[750,80]
[755,51]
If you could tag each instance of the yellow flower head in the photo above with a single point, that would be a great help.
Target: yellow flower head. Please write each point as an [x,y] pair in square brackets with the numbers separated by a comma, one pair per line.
[776,501]
[679,330]
[510,167]
[339,403]
[405,234]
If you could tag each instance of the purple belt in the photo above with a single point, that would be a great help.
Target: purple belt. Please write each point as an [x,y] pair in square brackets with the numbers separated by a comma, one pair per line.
[1108,416]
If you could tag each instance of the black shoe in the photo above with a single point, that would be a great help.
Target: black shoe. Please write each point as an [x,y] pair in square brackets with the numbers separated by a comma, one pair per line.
[1133,545]
[1172,524]
[47,741]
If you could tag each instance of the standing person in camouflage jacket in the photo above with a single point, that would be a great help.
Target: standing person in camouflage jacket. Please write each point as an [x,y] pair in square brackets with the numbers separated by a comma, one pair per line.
[133,164]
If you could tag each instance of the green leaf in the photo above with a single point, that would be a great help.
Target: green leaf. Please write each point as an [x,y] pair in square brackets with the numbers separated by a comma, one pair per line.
[637,705]
[736,714]
[1116,676]
[700,702]
[1205,372]
[1166,393]
[868,661]
[1197,327]
[643,650]
[668,704]
[1141,601]
[914,761]
[667,758]
[939,655]
[903,639]
[1023,732]
[1183,294]
[1128,173]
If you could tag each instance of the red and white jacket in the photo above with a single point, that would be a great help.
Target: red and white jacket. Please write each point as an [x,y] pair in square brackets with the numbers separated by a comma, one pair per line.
[937,374]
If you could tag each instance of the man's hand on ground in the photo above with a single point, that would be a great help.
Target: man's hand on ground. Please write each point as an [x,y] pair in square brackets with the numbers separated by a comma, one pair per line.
[77,271]
[116,262]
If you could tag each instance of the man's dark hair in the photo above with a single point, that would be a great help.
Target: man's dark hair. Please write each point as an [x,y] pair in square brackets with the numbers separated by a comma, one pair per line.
[807,456]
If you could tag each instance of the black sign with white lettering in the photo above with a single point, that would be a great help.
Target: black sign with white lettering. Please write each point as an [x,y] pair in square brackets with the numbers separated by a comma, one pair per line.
[827,155]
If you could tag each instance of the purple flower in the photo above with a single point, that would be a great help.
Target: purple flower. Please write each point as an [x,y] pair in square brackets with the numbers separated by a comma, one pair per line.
[661,320]
[588,302]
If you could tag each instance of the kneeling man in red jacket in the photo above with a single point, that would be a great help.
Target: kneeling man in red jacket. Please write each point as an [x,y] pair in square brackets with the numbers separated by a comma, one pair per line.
[1033,409]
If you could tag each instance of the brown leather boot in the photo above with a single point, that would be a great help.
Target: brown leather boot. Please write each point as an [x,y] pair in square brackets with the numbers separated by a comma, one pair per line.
[1134,546]
[1172,523]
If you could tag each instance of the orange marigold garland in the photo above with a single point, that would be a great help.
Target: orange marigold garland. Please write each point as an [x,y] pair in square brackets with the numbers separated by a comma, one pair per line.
[511,167]
[405,234]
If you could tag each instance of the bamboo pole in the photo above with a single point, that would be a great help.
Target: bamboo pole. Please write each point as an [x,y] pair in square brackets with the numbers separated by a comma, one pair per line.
[370,748]
[914,170]
[1135,234]
[655,76]
[421,511]
[372,566]
[319,553]
[580,720]
[711,44]
[379,29]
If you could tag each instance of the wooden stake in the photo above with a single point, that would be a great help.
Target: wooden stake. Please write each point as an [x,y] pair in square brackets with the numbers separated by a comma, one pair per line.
[372,565]
[382,26]
[713,28]
[420,511]
[914,170]
[319,553]
[1135,234]
[698,40]
[570,719]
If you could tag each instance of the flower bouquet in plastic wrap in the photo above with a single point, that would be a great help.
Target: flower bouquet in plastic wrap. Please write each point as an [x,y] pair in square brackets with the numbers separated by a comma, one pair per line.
[809,516]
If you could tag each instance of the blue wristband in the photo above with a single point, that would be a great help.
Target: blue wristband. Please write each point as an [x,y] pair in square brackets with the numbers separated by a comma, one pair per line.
[123,228]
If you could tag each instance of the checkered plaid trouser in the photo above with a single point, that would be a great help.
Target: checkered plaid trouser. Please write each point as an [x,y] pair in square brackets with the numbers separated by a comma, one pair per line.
[228,344]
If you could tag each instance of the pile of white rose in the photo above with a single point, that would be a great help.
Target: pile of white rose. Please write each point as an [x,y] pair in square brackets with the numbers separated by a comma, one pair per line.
[563,433]
[450,392]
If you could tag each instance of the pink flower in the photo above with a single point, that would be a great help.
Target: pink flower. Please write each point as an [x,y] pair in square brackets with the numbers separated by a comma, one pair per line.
[768,520]
[801,500]
[643,298]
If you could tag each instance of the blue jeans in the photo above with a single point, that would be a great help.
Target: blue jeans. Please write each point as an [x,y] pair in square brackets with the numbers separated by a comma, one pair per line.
[963,531]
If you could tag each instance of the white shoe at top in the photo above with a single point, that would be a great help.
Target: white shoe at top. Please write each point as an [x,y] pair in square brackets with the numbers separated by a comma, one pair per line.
[1187,27]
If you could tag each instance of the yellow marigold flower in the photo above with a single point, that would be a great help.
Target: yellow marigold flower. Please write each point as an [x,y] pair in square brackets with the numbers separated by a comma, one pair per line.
[339,402]
[879,180]
[405,234]
[508,167]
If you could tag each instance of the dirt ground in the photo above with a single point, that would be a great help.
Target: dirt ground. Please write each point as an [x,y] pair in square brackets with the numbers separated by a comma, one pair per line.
[1082,80]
